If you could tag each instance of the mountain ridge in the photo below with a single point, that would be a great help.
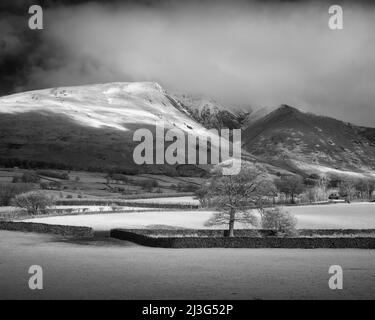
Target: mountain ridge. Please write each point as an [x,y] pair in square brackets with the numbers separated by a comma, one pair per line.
[63,120]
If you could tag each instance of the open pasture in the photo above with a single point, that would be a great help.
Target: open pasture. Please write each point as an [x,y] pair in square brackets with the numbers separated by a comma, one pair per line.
[335,216]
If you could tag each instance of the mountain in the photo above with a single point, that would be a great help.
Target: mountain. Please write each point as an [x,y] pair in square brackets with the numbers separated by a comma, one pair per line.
[304,142]
[87,127]
[210,113]
[91,127]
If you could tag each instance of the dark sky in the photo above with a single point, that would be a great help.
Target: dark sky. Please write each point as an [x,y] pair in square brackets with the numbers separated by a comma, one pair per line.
[239,52]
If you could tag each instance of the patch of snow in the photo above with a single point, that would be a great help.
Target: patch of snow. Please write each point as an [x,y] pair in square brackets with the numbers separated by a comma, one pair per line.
[105,105]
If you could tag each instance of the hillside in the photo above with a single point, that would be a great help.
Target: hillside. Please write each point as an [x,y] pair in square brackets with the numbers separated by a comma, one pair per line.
[88,127]
[290,138]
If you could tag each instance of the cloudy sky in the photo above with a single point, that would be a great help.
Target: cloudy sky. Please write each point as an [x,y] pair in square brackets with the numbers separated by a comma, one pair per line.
[242,53]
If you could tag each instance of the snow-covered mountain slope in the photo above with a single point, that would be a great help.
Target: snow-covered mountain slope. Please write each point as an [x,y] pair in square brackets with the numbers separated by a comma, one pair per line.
[91,127]
[105,105]
[88,126]
[198,102]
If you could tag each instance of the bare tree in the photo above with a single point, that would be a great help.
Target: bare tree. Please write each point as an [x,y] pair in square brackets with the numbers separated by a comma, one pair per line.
[34,202]
[365,188]
[291,186]
[233,195]
[10,190]
[347,189]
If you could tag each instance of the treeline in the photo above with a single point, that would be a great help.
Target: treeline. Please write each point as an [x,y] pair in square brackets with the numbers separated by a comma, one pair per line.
[316,188]
[168,170]
[53,174]
[149,184]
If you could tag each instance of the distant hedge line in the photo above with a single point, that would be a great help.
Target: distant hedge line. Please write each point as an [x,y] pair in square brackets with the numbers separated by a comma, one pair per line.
[53,174]
[158,195]
[99,202]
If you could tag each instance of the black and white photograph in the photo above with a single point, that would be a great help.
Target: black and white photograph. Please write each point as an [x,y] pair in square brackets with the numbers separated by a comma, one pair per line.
[184,156]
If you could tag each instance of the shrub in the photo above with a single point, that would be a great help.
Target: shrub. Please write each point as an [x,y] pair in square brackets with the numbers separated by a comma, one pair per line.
[187,187]
[9,190]
[44,186]
[119,177]
[279,220]
[27,177]
[148,184]
[33,202]
[16,179]
[55,185]
[53,174]
[315,193]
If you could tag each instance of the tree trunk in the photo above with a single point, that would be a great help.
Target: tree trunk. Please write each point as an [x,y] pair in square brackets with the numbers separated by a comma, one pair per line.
[231,223]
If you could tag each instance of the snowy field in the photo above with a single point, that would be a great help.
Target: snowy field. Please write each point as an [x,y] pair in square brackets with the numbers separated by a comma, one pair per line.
[340,215]
[100,222]
[345,216]
[168,200]
[121,270]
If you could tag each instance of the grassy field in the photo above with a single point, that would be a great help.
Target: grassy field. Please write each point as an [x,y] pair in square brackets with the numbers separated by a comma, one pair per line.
[121,270]
[335,216]
[82,184]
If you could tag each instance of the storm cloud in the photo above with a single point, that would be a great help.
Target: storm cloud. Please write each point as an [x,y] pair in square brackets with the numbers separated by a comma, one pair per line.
[240,53]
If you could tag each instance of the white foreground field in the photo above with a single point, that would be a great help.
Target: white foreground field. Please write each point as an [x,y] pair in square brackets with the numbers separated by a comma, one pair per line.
[334,216]
[120,270]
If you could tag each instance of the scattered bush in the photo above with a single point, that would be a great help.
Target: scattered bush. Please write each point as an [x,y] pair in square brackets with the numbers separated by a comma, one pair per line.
[148,184]
[117,177]
[53,174]
[279,220]
[27,177]
[187,187]
[44,185]
[33,202]
[55,185]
